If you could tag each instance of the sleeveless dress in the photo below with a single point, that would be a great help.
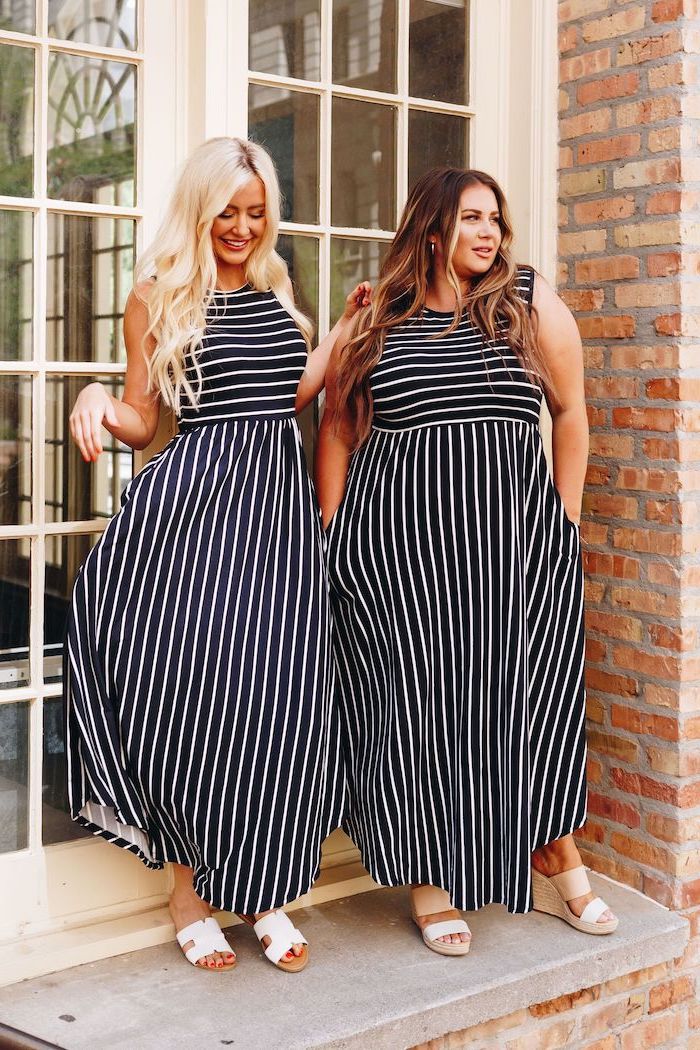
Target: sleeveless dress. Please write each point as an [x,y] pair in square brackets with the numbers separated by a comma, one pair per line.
[457,592]
[199,671]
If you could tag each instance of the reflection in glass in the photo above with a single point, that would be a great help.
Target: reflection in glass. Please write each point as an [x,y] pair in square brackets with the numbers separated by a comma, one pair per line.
[18,16]
[438,50]
[285,38]
[14,777]
[15,285]
[56,823]
[16,120]
[286,124]
[15,450]
[352,260]
[90,273]
[14,622]
[65,555]
[76,490]
[363,185]
[435,140]
[301,256]
[364,43]
[110,24]
[91,126]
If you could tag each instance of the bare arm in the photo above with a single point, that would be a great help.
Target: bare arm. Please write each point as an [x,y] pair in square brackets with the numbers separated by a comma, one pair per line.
[314,375]
[333,449]
[134,418]
[559,340]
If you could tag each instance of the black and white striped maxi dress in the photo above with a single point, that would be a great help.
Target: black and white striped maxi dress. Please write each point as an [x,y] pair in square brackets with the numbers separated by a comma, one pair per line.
[200,726]
[456,586]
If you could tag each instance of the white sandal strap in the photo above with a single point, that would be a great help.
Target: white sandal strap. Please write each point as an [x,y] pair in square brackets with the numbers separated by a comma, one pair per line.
[572,883]
[207,938]
[443,929]
[282,933]
[593,910]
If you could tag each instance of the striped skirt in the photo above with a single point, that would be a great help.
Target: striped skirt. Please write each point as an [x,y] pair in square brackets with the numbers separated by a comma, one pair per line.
[457,591]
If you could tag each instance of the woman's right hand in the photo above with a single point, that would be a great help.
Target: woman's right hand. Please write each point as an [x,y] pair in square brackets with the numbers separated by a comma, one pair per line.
[93,406]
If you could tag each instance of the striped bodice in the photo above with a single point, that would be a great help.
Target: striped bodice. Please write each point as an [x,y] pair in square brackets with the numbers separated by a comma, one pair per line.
[251,359]
[422,381]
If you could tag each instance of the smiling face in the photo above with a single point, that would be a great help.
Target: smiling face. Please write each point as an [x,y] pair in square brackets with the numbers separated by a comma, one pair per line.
[238,229]
[479,233]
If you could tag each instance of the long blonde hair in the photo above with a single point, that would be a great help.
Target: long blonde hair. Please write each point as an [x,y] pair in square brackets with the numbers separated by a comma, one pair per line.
[182,261]
[432,209]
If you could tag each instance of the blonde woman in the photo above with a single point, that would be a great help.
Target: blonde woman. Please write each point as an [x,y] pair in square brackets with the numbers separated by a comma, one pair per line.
[200,726]
[455,571]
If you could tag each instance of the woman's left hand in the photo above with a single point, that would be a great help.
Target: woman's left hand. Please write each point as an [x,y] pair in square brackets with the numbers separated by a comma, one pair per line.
[360,296]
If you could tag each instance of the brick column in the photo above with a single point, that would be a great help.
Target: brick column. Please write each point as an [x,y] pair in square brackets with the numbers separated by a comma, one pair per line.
[629,262]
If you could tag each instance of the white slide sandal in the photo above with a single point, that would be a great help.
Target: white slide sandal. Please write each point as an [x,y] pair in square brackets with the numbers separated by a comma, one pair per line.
[551,896]
[207,938]
[431,900]
[283,934]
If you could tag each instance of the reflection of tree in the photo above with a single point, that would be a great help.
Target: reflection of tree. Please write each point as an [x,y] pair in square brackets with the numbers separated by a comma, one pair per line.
[16,96]
[114,29]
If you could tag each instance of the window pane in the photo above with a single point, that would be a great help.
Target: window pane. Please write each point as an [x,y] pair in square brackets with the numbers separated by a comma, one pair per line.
[56,824]
[15,450]
[363,192]
[14,622]
[94,22]
[286,124]
[434,140]
[90,273]
[17,16]
[14,776]
[364,44]
[64,556]
[437,53]
[285,38]
[76,490]
[91,126]
[352,261]
[301,257]
[16,120]
[15,285]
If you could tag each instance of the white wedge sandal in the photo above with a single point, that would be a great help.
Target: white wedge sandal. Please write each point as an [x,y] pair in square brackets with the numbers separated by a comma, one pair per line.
[283,934]
[551,896]
[431,900]
[207,938]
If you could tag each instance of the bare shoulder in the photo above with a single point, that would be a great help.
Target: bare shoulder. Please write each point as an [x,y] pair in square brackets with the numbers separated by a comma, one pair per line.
[552,312]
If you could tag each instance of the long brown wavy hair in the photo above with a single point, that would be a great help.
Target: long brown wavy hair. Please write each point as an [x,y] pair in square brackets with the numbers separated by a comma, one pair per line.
[433,210]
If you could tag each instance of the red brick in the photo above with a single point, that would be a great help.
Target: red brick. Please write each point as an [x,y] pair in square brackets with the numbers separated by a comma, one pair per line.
[673,389]
[663,264]
[648,49]
[585,65]
[585,300]
[648,110]
[664,419]
[619,86]
[621,326]
[613,446]
[643,723]
[590,122]
[618,24]
[568,39]
[652,664]
[589,212]
[595,650]
[615,746]
[624,627]
[649,541]
[648,1035]
[635,358]
[609,564]
[597,474]
[647,173]
[604,388]
[613,809]
[615,684]
[604,505]
[637,784]
[645,601]
[611,268]
[614,148]
[678,639]
[648,480]
[571,9]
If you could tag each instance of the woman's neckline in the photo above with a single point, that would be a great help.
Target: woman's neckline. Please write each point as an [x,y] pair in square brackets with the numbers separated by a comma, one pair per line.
[231,291]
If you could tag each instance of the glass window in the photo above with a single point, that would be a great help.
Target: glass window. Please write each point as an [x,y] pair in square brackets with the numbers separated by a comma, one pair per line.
[352,260]
[363,170]
[14,777]
[56,823]
[16,285]
[15,449]
[90,274]
[94,22]
[437,52]
[364,44]
[434,140]
[301,257]
[76,490]
[67,554]
[16,120]
[18,16]
[91,126]
[285,38]
[286,124]
[14,622]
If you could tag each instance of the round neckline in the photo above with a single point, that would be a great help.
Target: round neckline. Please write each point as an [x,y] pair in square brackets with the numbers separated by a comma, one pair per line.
[231,291]
[441,313]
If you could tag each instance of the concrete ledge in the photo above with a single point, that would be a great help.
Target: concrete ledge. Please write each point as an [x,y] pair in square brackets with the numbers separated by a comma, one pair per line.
[370,982]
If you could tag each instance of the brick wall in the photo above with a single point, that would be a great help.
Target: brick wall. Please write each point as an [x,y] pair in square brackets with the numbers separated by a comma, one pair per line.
[646,1010]
[629,258]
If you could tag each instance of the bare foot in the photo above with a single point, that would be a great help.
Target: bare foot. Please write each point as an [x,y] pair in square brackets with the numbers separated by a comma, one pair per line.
[442,916]
[295,950]
[186,907]
[563,855]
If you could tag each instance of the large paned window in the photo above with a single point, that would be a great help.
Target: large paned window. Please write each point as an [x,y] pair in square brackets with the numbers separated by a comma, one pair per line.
[354,99]
[70,74]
